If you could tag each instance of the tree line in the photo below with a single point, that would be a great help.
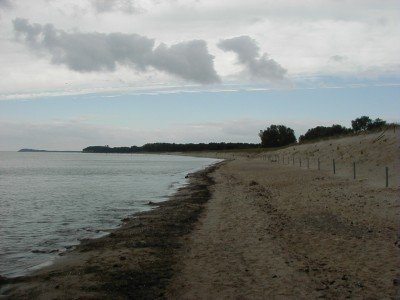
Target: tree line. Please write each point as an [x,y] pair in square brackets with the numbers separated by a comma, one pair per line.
[280,135]
[170,147]
[273,136]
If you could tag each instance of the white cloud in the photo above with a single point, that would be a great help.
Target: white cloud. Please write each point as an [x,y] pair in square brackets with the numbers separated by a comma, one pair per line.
[80,132]
[73,134]
[300,37]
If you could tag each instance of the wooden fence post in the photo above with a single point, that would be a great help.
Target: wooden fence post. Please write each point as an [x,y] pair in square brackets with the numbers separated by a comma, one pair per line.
[354,170]
[334,166]
[387,176]
[319,165]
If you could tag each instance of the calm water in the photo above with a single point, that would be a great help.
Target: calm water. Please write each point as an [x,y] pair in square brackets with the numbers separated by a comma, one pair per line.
[49,201]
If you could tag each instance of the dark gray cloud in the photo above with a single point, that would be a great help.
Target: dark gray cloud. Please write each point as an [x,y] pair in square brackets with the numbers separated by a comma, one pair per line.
[248,53]
[126,6]
[5,3]
[189,59]
[89,52]
[338,58]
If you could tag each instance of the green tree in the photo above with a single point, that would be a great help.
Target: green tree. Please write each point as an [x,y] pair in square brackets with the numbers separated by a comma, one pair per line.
[277,136]
[361,123]
[376,124]
[322,131]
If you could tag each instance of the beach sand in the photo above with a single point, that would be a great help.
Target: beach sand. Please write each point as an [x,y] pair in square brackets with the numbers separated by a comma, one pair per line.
[277,232]
[249,228]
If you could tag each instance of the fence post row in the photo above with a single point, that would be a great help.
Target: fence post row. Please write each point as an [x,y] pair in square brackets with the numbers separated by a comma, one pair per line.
[277,159]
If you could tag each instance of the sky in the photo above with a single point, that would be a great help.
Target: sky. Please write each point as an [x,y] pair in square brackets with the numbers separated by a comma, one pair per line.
[129,72]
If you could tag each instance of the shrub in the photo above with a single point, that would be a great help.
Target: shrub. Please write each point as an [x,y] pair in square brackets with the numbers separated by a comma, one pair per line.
[322,132]
[361,124]
[277,136]
[377,124]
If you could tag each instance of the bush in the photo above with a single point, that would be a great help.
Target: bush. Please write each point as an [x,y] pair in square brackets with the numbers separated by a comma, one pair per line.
[361,123]
[277,136]
[322,132]
[365,123]
[377,124]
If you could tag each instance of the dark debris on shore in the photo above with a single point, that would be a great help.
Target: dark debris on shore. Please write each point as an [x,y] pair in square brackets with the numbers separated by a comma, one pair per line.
[134,261]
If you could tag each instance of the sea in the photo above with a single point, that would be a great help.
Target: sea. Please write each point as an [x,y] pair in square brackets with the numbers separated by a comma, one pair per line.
[50,201]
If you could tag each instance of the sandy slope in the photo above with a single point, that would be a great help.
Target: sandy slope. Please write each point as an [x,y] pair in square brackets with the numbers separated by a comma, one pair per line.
[277,231]
[280,232]
[371,152]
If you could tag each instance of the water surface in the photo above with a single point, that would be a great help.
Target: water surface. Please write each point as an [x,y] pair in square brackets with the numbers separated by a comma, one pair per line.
[49,201]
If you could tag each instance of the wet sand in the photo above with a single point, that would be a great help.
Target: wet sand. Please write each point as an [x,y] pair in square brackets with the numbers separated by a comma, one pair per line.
[133,262]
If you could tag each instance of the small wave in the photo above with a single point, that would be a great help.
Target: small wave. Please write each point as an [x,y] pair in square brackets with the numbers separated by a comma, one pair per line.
[172,184]
[45,251]
[88,229]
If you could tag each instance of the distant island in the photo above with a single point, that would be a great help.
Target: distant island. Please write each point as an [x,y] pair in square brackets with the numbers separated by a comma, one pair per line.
[37,150]
[170,147]
[31,150]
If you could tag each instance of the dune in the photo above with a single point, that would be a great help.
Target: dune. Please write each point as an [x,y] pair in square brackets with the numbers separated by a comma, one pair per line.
[274,230]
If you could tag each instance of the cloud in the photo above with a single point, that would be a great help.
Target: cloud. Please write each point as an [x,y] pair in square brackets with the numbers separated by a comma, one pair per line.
[104,6]
[189,59]
[5,3]
[248,53]
[79,132]
[91,52]
[338,58]
[72,134]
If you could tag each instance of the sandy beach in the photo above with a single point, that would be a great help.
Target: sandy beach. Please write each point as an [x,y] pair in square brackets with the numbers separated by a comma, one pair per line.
[248,228]
[276,232]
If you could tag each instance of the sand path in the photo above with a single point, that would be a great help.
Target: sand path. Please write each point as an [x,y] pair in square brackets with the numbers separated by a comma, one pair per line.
[278,232]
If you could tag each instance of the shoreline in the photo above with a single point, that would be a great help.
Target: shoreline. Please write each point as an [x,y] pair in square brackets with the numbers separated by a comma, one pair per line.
[134,260]
[251,229]
[32,254]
